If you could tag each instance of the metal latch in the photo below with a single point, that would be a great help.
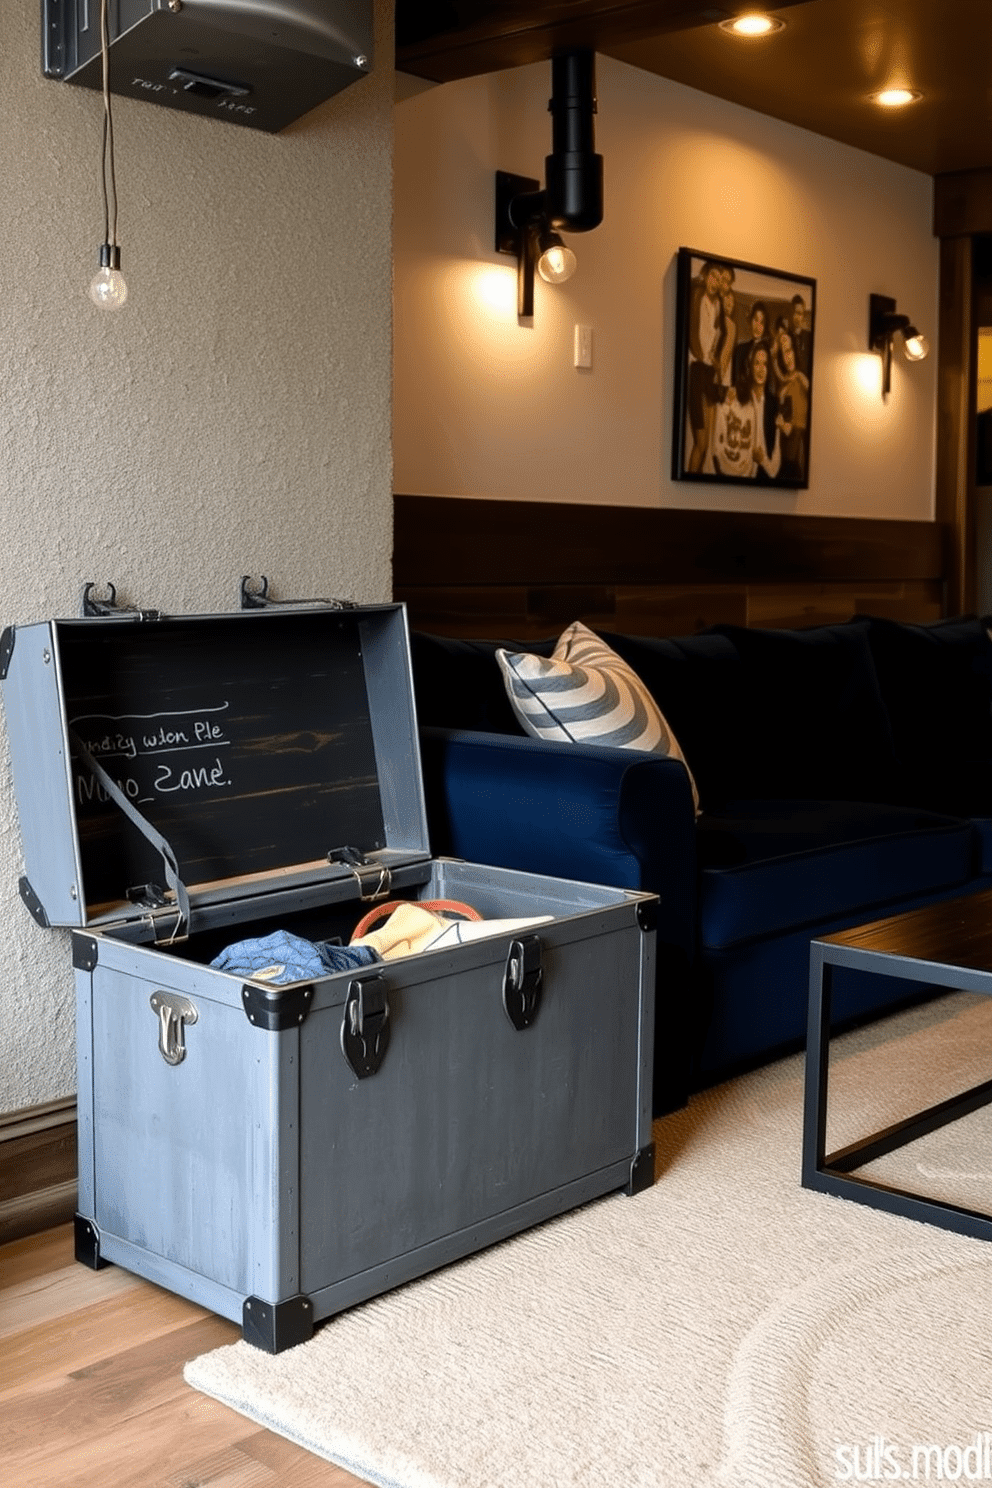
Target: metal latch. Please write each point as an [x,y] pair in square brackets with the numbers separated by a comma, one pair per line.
[365,1027]
[522,981]
[174,1012]
[374,879]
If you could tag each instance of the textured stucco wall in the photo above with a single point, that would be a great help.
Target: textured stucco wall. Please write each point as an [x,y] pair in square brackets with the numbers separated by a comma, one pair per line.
[233,418]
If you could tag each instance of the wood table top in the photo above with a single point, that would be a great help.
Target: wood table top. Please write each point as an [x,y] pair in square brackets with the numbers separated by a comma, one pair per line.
[957,932]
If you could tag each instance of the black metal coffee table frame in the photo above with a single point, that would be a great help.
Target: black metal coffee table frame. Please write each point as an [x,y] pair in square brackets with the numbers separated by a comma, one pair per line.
[945,945]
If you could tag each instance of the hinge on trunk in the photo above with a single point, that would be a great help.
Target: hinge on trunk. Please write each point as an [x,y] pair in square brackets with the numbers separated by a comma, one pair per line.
[149,896]
[165,929]
[91,608]
[253,598]
[374,879]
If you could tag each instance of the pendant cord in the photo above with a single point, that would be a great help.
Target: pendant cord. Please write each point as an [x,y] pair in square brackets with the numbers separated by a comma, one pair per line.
[109,167]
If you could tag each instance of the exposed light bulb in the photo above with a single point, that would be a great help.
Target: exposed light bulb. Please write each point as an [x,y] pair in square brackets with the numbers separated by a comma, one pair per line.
[108,289]
[556,264]
[915,346]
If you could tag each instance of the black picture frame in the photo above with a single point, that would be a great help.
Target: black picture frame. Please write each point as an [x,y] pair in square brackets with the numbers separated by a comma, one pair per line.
[730,427]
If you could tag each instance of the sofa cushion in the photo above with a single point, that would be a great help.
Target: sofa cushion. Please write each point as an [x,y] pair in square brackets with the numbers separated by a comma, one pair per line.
[458,683]
[775,865]
[772,712]
[936,683]
[584,693]
[812,721]
[696,682]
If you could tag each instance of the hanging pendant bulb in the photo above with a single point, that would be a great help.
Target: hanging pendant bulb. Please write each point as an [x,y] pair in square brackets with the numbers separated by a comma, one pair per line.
[108,289]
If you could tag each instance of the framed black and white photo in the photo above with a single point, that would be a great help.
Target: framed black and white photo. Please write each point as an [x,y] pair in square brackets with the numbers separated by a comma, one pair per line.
[743,372]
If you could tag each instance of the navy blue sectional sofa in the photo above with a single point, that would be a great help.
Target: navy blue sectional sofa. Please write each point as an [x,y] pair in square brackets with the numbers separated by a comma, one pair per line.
[844,773]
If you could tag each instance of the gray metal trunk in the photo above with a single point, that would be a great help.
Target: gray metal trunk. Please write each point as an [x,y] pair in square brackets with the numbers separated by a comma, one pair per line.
[279,1153]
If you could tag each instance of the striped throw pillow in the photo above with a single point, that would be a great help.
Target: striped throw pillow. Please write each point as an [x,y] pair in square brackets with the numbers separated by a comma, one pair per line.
[585,693]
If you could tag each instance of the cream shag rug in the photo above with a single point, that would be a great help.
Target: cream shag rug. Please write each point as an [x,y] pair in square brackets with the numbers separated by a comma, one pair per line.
[725,1329]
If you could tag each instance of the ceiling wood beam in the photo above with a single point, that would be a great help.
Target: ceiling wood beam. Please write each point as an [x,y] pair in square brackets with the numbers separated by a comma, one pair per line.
[485,37]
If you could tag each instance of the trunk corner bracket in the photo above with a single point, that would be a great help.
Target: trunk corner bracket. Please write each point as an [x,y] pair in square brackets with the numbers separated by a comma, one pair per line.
[641,1171]
[6,650]
[274,1326]
[85,953]
[647,915]
[86,1243]
[276,1008]
[34,904]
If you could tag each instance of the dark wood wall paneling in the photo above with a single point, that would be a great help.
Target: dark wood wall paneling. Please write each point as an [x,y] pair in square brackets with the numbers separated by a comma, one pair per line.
[521,569]
[962,220]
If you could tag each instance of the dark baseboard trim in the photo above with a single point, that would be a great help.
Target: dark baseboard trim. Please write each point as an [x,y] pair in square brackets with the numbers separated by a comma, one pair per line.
[34,1212]
[37,1168]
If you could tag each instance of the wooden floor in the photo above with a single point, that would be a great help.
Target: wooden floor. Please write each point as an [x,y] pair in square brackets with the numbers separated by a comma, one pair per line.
[91,1386]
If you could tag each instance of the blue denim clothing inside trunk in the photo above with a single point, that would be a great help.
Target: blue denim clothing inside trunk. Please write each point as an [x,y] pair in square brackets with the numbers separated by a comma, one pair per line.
[283,957]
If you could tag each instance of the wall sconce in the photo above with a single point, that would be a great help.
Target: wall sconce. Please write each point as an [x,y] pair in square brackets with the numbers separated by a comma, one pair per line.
[522,229]
[529,220]
[883,324]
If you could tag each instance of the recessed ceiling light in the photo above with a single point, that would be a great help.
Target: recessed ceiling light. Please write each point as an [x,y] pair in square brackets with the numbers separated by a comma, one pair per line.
[896,97]
[752,24]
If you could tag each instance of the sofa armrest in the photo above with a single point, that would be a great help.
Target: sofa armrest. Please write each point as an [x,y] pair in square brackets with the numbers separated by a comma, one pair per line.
[578,811]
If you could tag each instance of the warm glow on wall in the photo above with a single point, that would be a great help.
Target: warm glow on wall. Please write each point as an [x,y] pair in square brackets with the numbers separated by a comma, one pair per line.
[866,374]
[984,378]
[495,288]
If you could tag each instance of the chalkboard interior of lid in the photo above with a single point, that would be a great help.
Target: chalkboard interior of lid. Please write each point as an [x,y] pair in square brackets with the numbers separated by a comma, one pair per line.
[247,741]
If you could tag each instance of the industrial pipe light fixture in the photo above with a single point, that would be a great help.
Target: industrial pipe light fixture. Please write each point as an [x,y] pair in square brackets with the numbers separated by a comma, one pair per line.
[884,323]
[529,219]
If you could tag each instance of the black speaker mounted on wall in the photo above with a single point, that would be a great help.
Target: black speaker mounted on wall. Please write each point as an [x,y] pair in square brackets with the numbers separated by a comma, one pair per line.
[260,63]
